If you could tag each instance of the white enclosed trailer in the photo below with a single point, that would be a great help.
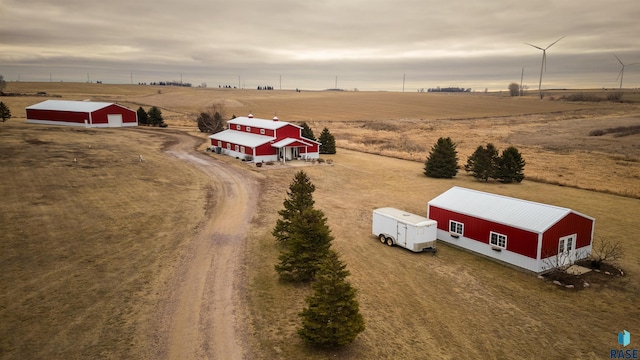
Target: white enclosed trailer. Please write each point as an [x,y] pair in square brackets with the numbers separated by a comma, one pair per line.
[396,227]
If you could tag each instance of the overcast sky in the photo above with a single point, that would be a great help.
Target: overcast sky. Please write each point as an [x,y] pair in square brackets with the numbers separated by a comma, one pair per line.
[369,45]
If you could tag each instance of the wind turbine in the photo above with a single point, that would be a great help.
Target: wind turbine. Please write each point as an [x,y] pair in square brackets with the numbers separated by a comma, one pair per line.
[621,73]
[543,66]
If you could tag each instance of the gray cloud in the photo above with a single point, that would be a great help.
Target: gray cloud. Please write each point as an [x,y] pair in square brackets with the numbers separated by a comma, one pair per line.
[369,44]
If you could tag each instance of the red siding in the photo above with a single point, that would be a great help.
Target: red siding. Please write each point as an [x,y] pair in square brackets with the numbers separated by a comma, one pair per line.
[100,116]
[570,224]
[52,115]
[519,241]
[288,131]
[265,149]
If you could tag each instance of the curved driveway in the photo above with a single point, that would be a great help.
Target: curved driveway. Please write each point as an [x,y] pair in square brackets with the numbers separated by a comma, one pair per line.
[199,314]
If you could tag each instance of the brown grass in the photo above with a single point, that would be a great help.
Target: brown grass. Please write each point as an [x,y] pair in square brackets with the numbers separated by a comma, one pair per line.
[86,245]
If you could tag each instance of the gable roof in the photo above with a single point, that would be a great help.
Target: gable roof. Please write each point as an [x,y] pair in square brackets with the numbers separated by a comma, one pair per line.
[523,214]
[241,138]
[289,141]
[69,105]
[260,123]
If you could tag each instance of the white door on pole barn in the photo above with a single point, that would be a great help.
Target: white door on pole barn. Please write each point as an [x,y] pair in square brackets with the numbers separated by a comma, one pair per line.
[115,120]
[567,250]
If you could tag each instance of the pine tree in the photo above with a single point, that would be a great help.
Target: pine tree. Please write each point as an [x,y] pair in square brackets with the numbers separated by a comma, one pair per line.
[307,132]
[442,161]
[332,317]
[5,113]
[327,142]
[306,248]
[155,116]
[511,166]
[299,198]
[143,118]
[483,163]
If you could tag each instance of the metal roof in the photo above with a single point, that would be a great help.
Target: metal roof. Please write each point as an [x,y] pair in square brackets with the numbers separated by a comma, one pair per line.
[523,214]
[289,141]
[241,138]
[69,105]
[259,123]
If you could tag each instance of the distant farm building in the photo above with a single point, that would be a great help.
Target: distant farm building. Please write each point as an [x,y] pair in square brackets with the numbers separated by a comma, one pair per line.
[529,235]
[81,113]
[261,140]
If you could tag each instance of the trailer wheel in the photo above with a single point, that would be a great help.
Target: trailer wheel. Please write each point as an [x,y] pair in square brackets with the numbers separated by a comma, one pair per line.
[382,238]
[389,241]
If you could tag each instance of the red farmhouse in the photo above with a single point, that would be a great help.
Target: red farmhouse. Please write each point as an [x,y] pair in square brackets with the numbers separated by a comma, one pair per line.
[264,140]
[81,113]
[530,235]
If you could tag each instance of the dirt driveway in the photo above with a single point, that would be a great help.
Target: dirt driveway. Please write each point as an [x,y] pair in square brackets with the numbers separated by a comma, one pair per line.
[198,318]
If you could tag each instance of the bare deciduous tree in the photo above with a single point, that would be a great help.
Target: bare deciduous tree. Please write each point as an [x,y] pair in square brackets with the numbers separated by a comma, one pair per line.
[211,120]
[606,250]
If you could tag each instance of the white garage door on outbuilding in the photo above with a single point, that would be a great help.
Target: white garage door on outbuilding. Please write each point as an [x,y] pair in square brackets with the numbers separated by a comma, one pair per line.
[115,120]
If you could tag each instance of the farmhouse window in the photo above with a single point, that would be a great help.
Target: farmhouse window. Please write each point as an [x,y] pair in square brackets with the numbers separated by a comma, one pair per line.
[498,240]
[248,128]
[237,148]
[229,146]
[456,227]
[262,131]
[238,127]
[242,149]
[219,143]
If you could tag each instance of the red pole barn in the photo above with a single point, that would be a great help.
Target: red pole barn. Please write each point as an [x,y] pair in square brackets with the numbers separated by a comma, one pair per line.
[533,236]
[81,113]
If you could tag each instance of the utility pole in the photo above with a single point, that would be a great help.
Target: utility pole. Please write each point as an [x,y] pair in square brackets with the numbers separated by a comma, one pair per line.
[521,76]
[336,83]
[403,77]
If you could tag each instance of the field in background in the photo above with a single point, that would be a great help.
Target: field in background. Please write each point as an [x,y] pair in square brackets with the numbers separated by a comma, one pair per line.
[552,135]
[93,273]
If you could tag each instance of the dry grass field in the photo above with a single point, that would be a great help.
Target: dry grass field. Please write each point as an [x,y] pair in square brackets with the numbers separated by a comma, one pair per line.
[86,246]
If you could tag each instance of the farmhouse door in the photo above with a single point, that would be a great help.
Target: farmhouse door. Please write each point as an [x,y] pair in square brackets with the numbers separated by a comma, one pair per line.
[402,234]
[567,250]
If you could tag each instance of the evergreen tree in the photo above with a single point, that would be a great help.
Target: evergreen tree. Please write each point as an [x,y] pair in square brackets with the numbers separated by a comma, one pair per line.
[155,116]
[5,113]
[442,161]
[327,142]
[143,118]
[307,132]
[483,163]
[511,166]
[307,246]
[299,198]
[332,317]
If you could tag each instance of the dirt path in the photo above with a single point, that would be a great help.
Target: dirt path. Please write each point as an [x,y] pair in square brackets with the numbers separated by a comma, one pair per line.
[198,318]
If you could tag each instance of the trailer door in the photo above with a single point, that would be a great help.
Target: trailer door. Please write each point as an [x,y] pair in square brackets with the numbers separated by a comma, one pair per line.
[402,234]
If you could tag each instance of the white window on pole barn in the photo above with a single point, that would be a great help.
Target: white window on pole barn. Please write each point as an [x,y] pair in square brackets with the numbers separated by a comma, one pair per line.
[498,240]
[248,128]
[262,131]
[238,127]
[456,227]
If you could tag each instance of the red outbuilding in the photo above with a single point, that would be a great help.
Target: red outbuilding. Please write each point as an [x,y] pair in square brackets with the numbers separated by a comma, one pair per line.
[260,140]
[526,234]
[81,113]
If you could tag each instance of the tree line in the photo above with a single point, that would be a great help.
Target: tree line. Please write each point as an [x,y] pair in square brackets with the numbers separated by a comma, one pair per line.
[485,163]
